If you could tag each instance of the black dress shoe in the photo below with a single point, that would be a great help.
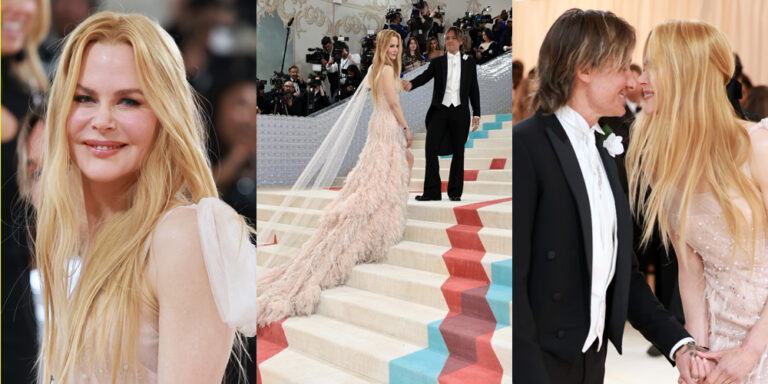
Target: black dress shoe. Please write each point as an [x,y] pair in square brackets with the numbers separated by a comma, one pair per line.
[424,198]
[454,198]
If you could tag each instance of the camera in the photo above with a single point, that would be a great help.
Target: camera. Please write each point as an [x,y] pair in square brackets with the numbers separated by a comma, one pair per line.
[278,79]
[339,43]
[417,6]
[368,43]
[315,79]
[317,56]
[440,12]
[392,14]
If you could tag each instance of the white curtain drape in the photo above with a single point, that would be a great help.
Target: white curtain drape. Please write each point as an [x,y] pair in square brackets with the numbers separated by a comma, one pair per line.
[744,22]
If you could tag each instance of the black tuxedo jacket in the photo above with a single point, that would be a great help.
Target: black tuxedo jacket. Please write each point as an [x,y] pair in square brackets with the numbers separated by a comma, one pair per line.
[553,257]
[438,69]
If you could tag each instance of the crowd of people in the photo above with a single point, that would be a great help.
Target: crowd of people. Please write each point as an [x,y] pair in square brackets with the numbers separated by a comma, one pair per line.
[223,75]
[297,96]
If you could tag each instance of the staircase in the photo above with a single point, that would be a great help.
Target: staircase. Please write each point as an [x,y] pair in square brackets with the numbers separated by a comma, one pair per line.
[437,310]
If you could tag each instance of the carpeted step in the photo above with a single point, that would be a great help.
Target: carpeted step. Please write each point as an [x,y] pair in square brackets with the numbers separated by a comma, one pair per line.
[354,349]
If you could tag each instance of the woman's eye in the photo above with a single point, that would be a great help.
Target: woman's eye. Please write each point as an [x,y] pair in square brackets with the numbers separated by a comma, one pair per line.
[130,102]
[83,99]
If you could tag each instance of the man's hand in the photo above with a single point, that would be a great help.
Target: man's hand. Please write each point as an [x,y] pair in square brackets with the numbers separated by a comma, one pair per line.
[406,85]
[475,123]
[692,366]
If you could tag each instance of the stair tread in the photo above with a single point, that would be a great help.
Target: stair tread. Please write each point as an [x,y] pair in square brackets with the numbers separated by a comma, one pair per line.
[293,367]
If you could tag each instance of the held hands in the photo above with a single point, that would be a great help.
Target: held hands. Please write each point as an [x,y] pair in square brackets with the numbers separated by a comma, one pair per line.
[406,85]
[733,365]
[722,367]
[689,365]
[475,123]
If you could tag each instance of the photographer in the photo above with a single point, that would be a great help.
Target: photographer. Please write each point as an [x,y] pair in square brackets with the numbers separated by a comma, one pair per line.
[298,83]
[327,62]
[421,26]
[394,20]
[353,80]
[347,59]
[316,99]
[287,103]
[262,101]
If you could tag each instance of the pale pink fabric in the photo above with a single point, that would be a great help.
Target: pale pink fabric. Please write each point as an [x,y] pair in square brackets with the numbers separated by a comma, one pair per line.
[359,226]
[736,285]
[230,260]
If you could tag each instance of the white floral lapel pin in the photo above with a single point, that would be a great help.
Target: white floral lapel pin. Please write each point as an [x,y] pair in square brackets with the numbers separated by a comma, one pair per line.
[612,142]
[465,56]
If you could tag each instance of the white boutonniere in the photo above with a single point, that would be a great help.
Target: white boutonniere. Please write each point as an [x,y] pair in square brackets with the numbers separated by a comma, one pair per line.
[612,142]
[465,56]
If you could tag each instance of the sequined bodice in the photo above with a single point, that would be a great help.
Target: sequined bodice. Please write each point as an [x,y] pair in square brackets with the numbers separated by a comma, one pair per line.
[736,280]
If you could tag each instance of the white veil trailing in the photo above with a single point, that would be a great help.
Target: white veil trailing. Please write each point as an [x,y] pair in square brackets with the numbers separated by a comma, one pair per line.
[321,172]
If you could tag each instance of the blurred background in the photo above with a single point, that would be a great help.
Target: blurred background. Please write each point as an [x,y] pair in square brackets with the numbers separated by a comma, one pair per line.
[217,39]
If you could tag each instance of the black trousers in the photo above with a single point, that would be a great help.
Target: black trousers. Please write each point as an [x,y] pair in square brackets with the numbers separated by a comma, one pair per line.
[587,368]
[454,123]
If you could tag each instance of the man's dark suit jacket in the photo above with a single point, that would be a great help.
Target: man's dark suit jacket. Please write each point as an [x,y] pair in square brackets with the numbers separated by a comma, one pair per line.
[552,260]
[468,88]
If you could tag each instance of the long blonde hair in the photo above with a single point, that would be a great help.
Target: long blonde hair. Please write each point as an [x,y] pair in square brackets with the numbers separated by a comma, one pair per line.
[380,59]
[30,68]
[103,309]
[693,141]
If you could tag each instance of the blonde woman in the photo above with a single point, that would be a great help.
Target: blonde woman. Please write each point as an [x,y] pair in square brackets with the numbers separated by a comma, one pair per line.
[704,172]
[368,217]
[127,190]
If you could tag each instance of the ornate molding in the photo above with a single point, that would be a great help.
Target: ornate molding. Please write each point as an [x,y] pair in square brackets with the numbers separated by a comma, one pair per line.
[357,25]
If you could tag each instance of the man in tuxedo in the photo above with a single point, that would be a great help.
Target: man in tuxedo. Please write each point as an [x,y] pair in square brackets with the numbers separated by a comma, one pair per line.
[576,278]
[448,116]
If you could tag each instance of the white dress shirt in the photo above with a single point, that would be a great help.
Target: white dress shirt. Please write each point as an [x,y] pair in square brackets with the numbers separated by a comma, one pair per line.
[453,82]
[602,210]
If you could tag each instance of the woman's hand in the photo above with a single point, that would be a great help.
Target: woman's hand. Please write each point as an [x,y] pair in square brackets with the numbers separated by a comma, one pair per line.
[733,365]
[408,137]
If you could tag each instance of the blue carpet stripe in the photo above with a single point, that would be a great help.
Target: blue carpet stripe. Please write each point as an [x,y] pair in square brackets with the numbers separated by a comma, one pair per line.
[423,366]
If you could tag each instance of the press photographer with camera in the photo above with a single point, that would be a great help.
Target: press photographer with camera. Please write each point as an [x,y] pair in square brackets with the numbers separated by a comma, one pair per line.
[327,61]
[394,19]
[421,24]
[346,59]
[316,99]
[353,80]
[262,101]
[286,103]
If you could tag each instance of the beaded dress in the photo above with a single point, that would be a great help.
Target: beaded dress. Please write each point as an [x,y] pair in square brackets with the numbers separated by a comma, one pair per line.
[736,287]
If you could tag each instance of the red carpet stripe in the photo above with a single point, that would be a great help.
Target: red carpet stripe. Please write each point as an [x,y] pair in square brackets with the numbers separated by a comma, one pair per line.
[469,326]
[498,163]
[270,341]
[471,174]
